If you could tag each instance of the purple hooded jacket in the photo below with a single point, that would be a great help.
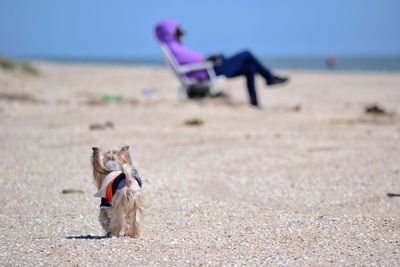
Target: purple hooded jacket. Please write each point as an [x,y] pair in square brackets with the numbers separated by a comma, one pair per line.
[166,34]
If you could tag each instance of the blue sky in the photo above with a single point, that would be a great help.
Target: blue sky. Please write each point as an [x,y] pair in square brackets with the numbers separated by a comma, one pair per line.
[124,28]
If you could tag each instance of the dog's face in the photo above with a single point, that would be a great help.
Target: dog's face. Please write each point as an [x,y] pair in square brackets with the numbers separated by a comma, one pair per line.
[105,161]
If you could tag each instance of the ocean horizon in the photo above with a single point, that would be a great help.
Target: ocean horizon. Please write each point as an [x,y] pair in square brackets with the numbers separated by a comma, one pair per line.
[343,63]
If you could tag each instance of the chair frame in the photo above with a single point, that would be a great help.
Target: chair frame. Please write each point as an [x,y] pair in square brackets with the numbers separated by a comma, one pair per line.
[180,72]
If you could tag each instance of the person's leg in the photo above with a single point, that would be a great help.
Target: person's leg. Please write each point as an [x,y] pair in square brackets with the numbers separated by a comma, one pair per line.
[231,66]
[237,65]
[251,87]
[259,68]
[270,78]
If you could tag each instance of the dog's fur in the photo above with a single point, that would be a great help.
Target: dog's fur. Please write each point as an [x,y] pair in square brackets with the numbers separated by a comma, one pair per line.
[126,211]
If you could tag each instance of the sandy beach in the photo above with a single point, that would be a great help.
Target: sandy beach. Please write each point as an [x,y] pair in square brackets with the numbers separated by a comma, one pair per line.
[302,182]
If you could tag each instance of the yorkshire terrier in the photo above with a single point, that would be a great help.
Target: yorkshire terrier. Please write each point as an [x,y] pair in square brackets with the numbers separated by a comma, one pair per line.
[119,185]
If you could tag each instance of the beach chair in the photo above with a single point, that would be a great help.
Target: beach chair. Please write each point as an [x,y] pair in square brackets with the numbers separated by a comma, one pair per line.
[180,72]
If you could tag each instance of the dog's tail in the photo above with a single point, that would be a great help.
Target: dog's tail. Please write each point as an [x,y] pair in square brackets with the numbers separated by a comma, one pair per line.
[126,198]
[128,174]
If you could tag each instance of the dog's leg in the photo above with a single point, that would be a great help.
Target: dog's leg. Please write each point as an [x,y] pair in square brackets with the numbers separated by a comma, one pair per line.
[137,229]
[137,217]
[105,221]
[116,223]
[130,210]
[116,226]
[117,215]
[129,222]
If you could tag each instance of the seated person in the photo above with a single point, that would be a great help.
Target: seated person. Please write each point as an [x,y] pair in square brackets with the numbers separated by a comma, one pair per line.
[243,63]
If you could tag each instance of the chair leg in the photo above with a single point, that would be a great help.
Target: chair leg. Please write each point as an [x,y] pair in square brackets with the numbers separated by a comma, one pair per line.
[182,95]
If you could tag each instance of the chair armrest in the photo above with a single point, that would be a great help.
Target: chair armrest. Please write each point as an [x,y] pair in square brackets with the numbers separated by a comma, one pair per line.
[205,65]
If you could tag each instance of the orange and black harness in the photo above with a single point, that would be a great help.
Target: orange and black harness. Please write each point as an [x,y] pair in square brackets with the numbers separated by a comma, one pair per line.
[113,184]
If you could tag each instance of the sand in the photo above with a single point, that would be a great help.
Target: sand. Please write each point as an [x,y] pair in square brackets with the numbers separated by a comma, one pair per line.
[301,182]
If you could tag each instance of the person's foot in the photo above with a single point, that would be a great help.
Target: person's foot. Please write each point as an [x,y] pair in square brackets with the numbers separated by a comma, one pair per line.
[254,103]
[278,80]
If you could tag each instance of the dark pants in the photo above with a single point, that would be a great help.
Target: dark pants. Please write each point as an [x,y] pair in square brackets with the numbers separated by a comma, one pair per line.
[244,63]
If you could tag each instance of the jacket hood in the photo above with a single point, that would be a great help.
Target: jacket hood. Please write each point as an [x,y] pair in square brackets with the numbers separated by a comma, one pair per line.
[166,30]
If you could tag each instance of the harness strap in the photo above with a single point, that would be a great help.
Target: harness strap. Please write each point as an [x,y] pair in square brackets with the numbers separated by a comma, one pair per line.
[112,187]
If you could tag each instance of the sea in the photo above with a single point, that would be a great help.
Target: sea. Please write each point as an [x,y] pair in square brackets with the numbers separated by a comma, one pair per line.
[345,63]
[340,64]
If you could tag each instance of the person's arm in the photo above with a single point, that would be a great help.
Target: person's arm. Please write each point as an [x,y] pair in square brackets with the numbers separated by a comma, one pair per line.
[216,59]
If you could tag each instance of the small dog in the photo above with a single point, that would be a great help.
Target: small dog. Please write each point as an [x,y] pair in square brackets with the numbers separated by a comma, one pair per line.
[119,186]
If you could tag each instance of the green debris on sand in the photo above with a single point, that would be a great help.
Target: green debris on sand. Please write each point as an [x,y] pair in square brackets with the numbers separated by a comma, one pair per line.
[107,98]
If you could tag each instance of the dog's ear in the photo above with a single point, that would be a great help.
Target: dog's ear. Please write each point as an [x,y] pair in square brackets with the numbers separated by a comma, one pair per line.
[95,149]
[125,148]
